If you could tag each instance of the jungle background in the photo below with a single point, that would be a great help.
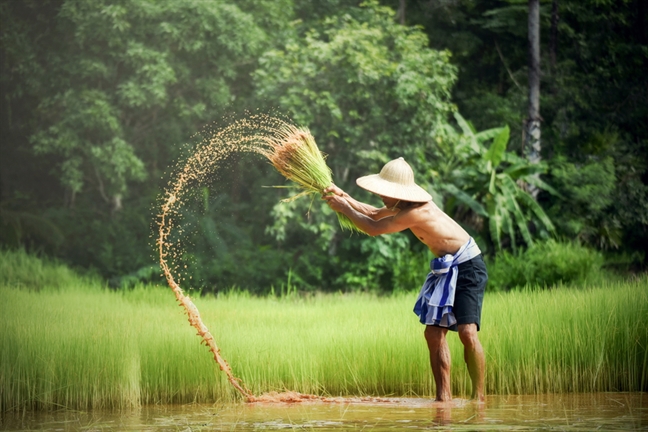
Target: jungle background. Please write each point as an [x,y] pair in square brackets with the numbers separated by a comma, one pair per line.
[102,99]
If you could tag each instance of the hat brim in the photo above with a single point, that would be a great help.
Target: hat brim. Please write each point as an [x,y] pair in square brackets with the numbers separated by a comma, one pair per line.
[376,184]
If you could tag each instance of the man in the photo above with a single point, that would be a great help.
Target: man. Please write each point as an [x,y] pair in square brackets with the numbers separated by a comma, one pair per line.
[451,298]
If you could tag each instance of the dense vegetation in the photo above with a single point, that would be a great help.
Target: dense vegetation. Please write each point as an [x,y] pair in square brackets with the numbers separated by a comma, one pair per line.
[101,98]
[74,344]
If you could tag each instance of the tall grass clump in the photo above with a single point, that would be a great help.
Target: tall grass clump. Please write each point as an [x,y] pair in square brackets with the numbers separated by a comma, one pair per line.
[545,264]
[589,339]
[21,269]
[83,347]
[294,153]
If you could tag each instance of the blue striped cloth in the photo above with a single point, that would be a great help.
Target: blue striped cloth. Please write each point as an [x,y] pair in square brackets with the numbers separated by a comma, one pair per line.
[434,303]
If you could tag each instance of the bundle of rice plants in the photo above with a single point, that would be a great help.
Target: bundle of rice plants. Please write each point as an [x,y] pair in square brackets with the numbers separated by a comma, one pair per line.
[294,153]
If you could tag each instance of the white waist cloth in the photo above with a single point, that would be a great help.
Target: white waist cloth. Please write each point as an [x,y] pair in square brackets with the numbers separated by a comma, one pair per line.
[435,301]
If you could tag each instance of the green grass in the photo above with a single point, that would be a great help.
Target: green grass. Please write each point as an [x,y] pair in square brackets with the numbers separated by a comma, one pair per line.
[20,269]
[82,346]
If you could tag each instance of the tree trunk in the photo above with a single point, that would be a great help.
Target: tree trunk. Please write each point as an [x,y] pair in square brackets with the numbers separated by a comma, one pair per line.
[116,204]
[532,132]
[401,12]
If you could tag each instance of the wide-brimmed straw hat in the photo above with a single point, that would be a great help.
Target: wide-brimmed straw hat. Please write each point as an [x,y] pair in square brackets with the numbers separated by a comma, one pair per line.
[396,180]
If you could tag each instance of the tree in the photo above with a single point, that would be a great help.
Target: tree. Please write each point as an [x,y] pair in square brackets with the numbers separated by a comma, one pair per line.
[99,98]
[596,87]
[370,90]
[347,79]
[532,129]
[111,82]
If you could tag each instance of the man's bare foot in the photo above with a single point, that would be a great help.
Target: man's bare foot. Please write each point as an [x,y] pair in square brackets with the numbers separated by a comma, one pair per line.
[480,398]
[444,403]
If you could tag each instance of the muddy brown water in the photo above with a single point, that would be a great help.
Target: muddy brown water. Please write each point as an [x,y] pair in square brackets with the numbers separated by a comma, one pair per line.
[569,412]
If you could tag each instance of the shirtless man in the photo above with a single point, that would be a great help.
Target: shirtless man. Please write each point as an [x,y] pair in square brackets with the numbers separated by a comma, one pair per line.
[441,306]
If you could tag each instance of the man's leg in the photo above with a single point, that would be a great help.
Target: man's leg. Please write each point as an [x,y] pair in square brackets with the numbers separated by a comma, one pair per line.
[439,360]
[474,358]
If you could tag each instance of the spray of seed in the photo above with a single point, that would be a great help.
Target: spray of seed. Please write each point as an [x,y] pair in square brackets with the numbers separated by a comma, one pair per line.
[271,137]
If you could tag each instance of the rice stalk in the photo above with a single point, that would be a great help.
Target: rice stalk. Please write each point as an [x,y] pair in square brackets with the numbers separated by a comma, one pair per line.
[294,153]
[85,347]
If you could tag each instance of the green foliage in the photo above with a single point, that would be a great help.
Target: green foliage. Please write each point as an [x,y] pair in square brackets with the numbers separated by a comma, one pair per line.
[588,189]
[593,93]
[344,81]
[378,266]
[98,97]
[18,227]
[114,245]
[111,82]
[19,269]
[545,264]
[485,184]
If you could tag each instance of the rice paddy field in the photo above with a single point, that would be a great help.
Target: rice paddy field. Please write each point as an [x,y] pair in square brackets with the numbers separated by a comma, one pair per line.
[67,342]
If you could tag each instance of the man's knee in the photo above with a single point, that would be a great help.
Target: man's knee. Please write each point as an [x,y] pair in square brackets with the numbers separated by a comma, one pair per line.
[434,335]
[468,335]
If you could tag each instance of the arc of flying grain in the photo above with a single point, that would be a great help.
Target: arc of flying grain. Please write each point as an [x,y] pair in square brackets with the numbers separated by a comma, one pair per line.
[164,229]
[293,152]
[194,316]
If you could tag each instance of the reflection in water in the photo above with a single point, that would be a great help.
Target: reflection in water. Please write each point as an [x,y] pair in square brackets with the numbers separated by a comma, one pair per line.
[580,412]
[442,415]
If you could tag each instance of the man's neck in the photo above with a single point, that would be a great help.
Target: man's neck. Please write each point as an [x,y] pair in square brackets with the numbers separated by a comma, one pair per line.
[402,205]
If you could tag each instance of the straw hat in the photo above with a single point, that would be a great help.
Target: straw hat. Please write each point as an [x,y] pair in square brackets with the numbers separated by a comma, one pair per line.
[396,180]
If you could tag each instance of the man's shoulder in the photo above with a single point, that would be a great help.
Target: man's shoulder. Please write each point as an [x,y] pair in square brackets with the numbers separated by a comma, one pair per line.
[420,208]
[423,211]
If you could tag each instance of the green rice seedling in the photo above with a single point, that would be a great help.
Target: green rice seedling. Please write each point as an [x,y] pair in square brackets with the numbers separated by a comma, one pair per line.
[294,153]
[82,346]
[567,340]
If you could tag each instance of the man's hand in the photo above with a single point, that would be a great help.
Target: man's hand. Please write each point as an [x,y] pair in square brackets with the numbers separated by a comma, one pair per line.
[334,197]
[333,189]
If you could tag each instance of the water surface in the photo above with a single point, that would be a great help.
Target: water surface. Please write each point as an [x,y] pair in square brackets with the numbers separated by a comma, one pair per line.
[569,412]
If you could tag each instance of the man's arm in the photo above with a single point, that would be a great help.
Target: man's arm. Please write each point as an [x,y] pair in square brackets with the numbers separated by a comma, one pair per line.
[370,211]
[373,227]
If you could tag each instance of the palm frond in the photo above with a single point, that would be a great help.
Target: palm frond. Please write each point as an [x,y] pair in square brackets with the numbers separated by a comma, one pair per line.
[496,151]
[536,181]
[538,211]
[466,199]
[494,222]
[510,193]
[508,220]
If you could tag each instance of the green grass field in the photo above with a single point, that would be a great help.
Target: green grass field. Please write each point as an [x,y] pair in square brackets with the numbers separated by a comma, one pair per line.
[71,343]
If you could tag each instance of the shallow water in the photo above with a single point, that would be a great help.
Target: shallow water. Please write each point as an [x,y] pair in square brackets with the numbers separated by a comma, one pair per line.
[570,412]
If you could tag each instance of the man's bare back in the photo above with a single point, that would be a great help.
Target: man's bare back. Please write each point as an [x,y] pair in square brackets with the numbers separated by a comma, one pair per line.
[437,230]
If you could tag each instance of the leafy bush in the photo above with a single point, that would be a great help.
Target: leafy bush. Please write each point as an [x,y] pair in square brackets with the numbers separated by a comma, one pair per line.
[24,270]
[544,265]
[410,270]
[589,195]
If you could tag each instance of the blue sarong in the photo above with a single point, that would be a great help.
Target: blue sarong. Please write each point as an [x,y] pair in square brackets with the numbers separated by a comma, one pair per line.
[435,301]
